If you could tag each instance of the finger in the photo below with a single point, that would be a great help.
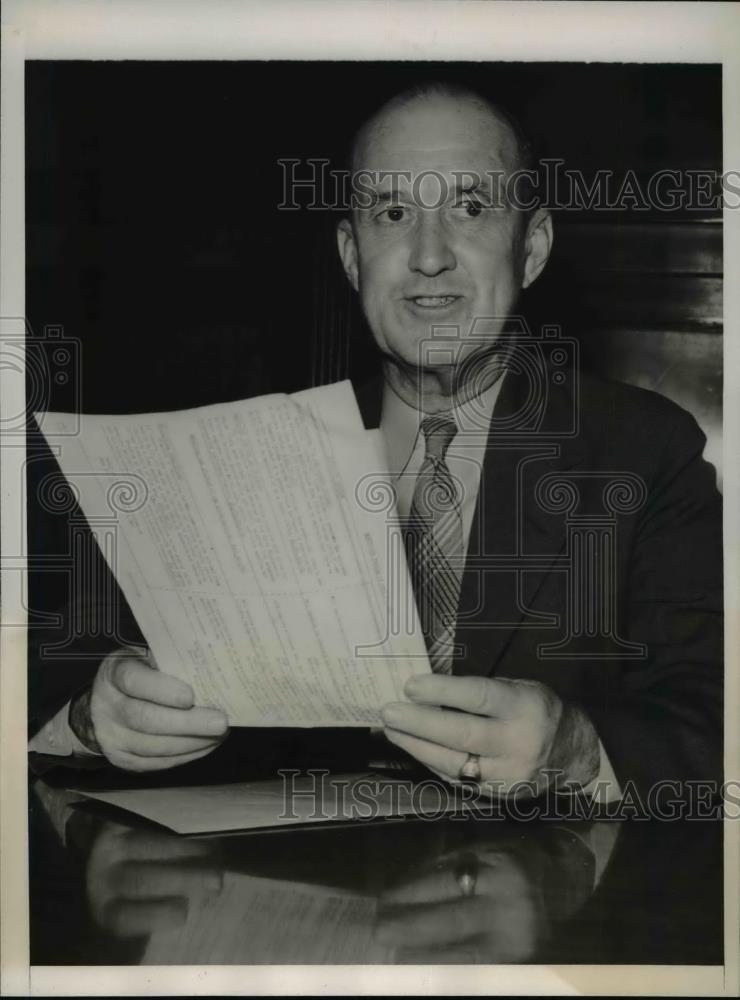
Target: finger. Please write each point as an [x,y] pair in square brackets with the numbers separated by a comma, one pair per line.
[443,760]
[421,930]
[137,679]
[506,883]
[141,880]
[436,924]
[145,717]
[435,887]
[498,775]
[151,845]
[459,730]
[480,949]
[134,918]
[133,762]
[147,745]
[494,697]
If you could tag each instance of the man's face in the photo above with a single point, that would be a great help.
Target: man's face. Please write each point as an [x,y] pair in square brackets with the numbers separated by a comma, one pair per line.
[436,250]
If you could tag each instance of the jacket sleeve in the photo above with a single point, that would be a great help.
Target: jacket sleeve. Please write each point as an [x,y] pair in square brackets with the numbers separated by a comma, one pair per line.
[76,611]
[665,723]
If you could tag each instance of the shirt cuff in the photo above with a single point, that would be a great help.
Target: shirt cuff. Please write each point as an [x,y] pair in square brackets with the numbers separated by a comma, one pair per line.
[56,738]
[604,788]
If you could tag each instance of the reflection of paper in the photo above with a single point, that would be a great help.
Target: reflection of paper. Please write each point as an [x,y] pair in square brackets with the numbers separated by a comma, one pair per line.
[251,567]
[252,805]
[256,920]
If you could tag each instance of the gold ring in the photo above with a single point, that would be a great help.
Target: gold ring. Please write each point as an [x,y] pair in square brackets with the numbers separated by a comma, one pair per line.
[470,770]
[466,881]
[466,873]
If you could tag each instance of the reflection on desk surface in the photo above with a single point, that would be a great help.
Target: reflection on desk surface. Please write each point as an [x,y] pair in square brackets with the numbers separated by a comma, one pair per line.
[106,890]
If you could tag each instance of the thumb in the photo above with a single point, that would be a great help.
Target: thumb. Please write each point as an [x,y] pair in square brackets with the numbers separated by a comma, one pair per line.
[140,652]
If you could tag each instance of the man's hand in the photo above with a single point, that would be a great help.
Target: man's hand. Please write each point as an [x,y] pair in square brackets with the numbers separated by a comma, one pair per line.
[520,729]
[143,719]
[429,920]
[140,880]
[496,898]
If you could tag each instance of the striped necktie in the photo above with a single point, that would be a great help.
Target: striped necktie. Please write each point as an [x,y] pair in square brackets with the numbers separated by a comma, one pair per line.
[434,543]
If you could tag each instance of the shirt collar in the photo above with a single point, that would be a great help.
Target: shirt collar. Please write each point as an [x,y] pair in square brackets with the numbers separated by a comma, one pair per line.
[400,422]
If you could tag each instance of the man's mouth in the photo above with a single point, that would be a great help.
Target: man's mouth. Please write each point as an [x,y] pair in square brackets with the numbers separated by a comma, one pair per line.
[433,301]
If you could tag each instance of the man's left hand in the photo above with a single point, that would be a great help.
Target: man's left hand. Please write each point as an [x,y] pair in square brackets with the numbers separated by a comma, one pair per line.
[522,731]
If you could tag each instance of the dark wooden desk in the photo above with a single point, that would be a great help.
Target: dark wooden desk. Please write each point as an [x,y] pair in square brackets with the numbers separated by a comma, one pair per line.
[109,889]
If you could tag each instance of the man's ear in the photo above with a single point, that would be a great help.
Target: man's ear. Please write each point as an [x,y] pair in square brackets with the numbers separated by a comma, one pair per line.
[348,251]
[537,245]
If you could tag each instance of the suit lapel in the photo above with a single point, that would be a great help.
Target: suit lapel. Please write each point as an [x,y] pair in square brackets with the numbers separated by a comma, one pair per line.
[369,396]
[511,529]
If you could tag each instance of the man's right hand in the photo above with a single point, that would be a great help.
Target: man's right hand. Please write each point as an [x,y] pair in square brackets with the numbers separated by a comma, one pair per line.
[140,881]
[142,719]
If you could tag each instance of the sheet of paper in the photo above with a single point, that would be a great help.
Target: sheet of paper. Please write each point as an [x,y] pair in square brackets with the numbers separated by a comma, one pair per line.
[255,545]
[253,805]
[257,920]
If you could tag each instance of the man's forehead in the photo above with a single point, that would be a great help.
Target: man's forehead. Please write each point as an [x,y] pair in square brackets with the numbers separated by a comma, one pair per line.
[403,167]
[441,134]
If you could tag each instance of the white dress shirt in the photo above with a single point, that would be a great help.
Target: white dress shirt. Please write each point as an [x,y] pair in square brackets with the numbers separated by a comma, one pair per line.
[400,426]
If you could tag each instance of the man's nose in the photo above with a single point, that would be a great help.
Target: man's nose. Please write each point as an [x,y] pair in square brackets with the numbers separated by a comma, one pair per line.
[431,252]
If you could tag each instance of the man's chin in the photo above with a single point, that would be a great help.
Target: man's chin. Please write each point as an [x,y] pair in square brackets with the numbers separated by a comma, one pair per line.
[441,351]
[427,345]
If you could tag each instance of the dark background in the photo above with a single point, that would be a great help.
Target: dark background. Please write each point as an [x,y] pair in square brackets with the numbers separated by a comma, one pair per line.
[155,243]
[153,234]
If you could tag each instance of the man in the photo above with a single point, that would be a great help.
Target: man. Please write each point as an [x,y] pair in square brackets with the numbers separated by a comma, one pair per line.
[432,247]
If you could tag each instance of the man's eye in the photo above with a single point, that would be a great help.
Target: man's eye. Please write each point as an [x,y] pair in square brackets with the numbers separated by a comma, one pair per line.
[394,214]
[471,206]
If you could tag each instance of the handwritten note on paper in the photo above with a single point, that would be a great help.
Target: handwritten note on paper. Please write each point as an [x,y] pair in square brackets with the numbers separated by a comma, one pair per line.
[252,568]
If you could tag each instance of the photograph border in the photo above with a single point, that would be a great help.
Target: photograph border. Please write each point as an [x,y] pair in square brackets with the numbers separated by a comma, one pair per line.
[325,30]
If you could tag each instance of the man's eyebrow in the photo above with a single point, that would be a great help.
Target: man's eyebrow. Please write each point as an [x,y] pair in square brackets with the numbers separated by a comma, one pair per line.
[461,183]
[371,198]
[472,184]
[383,197]
[466,184]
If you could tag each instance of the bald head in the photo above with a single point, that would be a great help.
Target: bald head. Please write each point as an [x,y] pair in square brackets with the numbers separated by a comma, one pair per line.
[439,237]
[447,112]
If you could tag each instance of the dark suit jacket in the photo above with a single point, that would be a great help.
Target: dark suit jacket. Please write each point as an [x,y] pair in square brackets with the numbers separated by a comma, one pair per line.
[597,513]
[590,492]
